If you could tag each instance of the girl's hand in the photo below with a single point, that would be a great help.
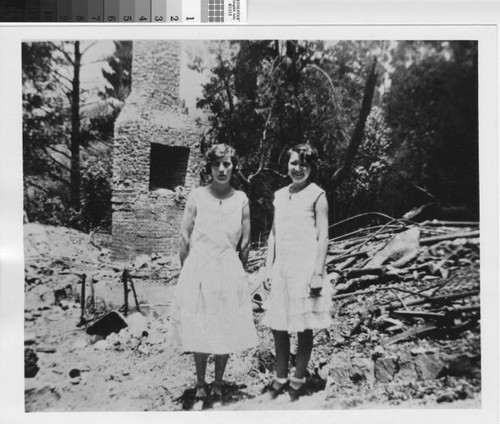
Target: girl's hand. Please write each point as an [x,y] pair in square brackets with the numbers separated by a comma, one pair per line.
[267,284]
[267,279]
[316,285]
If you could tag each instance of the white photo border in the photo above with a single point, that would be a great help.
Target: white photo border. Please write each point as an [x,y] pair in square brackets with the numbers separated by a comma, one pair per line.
[11,247]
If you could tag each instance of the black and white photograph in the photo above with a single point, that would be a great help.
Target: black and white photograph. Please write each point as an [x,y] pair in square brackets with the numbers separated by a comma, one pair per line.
[254,223]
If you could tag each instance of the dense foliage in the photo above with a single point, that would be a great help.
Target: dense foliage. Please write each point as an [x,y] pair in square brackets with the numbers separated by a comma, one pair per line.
[419,143]
[72,93]
[433,113]
[420,140]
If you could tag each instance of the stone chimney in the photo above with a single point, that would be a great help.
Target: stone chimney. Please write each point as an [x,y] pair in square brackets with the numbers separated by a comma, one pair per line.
[156,155]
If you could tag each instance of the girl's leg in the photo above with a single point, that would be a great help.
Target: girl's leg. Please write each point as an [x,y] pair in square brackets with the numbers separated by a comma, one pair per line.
[304,349]
[220,366]
[282,346]
[200,362]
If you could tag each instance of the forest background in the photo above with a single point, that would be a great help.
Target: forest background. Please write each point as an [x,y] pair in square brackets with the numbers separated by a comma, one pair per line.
[395,124]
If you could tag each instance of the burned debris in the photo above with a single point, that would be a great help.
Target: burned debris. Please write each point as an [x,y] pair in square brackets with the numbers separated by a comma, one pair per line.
[406,321]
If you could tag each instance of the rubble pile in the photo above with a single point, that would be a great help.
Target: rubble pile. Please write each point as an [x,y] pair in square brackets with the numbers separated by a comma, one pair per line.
[58,260]
[406,313]
[405,325]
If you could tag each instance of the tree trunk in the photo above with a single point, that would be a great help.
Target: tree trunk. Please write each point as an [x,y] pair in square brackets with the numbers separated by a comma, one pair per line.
[75,130]
[357,135]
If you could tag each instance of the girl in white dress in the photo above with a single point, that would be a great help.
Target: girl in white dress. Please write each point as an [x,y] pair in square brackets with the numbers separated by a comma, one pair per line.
[300,298]
[212,313]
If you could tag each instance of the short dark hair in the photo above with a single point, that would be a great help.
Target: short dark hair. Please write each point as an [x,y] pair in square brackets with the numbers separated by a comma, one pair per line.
[217,151]
[307,154]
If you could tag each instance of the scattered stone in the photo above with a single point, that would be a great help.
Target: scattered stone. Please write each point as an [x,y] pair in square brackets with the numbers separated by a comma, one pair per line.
[95,338]
[45,349]
[64,304]
[112,322]
[76,380]
[423,350]
[339,341]
[266,360]
[448,396]
[124,335]
[406,369]
[461,365]
[385,368]
[30,363]
[101,345]
[144,350]
[38,399]
[114,339]
[362,369]
[428,367]
[75,372]
[29,339]
[340,369]
[378,352]
[137,324]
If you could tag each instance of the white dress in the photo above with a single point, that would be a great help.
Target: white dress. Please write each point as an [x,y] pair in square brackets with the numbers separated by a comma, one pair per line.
[212,311]
[289,306]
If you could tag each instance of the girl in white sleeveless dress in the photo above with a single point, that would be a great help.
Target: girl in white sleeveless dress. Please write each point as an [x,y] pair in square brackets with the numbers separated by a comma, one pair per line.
[300,298]
[212,312]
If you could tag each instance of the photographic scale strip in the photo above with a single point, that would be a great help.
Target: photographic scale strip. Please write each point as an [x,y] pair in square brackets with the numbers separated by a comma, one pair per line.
[125,11]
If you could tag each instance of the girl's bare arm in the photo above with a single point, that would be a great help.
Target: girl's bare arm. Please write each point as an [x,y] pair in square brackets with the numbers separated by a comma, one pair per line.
[321,212]
[187,228]
[270,257]
[245,235]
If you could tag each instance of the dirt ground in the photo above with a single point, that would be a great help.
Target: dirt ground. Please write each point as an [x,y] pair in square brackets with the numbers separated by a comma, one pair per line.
[140,369]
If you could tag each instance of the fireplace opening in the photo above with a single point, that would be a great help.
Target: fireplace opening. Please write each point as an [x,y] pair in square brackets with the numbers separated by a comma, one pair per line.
[168,166]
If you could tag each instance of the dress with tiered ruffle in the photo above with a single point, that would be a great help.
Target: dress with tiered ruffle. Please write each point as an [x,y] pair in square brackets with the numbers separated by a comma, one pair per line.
[212,310]
[289,306]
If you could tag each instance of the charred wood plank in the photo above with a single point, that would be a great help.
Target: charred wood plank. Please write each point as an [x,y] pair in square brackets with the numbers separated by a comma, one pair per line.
[438,299]
[460,234]
[359,272]
[411,333]
[435,223]
[420,314]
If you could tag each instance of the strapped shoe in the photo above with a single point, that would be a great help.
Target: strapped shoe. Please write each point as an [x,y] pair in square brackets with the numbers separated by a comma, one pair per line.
[297,392]
[201,391]
[275,388]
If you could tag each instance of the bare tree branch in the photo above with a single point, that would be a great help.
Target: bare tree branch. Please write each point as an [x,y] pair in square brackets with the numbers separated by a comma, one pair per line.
[55,160]
[58,151]
[317,68]
[64,52]
[357,135]
[60,75]
[89,47]
[58,178]
[33,184]
[261,144]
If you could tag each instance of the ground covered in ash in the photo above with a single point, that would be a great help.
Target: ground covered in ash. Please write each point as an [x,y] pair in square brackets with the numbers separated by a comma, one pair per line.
[401,337]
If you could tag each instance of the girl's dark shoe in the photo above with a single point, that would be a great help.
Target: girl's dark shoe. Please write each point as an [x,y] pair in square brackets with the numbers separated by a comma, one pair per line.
[296,388]
[217,388]
[276,388]
[201,391]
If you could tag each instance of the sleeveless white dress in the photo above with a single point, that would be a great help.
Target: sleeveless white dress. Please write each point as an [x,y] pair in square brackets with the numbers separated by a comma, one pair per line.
[289,306]
[212,310]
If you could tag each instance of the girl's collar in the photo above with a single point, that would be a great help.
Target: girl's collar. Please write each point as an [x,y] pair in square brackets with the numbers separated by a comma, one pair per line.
[229,194]
[293,191]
